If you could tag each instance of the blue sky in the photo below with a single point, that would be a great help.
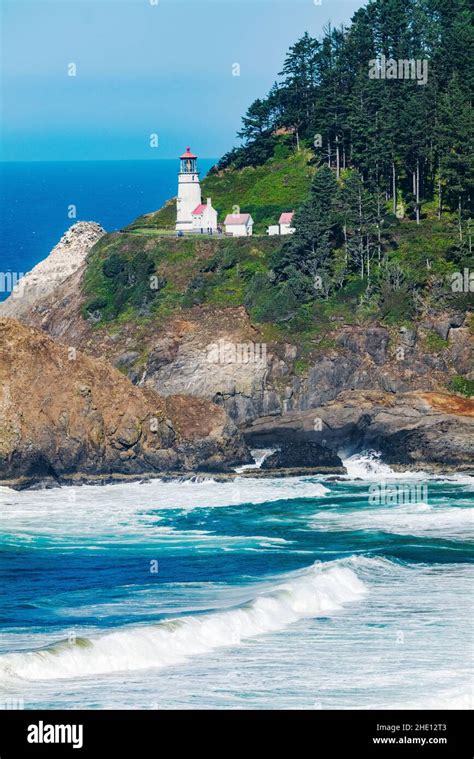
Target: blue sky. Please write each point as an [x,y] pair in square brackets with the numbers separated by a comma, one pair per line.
[142,69]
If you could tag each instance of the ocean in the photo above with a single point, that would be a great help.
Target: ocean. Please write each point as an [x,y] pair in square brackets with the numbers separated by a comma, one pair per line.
[304,592]
[35,199]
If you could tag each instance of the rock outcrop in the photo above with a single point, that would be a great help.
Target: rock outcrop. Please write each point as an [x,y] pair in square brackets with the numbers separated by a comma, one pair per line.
[304,455]
[64,260]
[65,415]
[424,430]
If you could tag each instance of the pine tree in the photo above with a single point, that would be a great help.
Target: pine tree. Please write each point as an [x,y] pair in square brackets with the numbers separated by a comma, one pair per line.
[257,121]
[300,78]
[317,229]
[358,214]
[456,166]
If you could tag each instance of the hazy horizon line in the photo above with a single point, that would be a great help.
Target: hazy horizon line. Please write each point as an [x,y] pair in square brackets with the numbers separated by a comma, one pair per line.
[101,160]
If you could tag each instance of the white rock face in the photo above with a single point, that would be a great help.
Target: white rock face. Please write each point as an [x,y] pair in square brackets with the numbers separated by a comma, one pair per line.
[65,259]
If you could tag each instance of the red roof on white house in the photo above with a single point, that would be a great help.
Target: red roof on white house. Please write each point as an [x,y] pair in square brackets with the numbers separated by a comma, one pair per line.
[199,210]
[188,154]
[286,218]
[237,218]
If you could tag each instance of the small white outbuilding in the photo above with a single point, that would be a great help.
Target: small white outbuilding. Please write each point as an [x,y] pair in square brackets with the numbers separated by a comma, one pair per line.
[239,224]
[273,229]
[285,223]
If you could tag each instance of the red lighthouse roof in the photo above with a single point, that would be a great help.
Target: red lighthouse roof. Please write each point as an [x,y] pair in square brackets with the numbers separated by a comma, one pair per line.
[188,154]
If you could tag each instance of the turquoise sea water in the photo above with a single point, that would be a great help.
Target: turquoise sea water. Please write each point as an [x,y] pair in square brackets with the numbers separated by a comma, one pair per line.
[275,593]
[35,198]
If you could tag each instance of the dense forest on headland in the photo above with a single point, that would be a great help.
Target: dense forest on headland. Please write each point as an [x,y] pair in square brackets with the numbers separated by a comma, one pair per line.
[386,107]
[406,129]
[367,133]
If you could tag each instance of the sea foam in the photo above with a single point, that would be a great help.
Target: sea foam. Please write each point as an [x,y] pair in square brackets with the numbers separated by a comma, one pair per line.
[368,465]
[439,521]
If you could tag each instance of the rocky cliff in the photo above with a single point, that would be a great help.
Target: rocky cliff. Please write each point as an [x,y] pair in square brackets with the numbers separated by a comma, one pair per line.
[65,415]
[67,257]
[411,430]
[217,355]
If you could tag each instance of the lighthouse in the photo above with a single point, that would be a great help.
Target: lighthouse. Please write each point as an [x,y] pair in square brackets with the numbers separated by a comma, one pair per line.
[189,191]
[191,214]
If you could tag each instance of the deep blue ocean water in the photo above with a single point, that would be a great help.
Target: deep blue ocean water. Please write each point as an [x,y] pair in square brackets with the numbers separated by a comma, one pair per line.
[35,199]
[276,593]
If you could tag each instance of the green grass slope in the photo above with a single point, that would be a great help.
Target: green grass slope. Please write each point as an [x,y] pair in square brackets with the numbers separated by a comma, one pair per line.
[135,276]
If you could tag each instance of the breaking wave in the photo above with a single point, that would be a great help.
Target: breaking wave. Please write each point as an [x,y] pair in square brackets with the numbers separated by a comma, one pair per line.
[368,465]
[317,590]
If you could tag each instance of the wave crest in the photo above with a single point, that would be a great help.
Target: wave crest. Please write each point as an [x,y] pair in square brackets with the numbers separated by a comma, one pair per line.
[319,589]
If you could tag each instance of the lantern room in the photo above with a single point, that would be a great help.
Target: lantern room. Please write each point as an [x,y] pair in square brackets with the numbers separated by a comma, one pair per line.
[188,162]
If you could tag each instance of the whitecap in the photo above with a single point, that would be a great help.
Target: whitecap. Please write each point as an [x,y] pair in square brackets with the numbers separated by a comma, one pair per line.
[318,590]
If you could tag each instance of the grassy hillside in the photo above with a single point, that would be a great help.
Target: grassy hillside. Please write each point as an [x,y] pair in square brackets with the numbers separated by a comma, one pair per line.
[264,191]
[138,275]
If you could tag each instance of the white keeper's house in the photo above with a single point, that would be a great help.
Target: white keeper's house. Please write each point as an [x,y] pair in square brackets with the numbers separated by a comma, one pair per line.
[191,214]
[239,224]
[205,217]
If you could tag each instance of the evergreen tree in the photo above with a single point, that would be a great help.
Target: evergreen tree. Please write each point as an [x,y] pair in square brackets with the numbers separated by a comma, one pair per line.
[317,230]
[300,78]
[358,214]
[455,129]
[257,121]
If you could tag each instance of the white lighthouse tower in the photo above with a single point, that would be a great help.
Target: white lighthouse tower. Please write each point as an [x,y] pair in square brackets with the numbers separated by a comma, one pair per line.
[189,191]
